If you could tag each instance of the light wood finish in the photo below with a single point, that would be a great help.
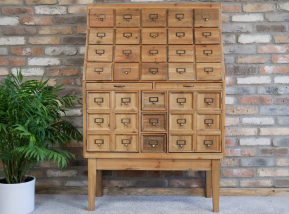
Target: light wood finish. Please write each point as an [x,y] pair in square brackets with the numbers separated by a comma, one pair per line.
[206,18]
[126,101]
[127,36]
[154,101]
[208,184]
[98,142]
[98,122]
[181,71]
[216,184]
[211,71]
[101,36]
[209,121]
[180,17]
[154,17]
[101,18]
[180,36]
[98,183]
[154,53]
[208,53]
[127,17]
[126,143]
[127,53]
[207,100]
[181,122]
[154,71]
[181,53]
[181,143]
[126,123]
[189,86]
[154,122]
[98,71]
[91,183]
[181,100]
[154,36]
[126,71]
[208,143]
[207,36]
[118,86]
[154,143]
[99,53]
[98,101]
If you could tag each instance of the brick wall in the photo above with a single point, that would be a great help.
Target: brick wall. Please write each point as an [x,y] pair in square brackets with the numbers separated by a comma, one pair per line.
[48,37]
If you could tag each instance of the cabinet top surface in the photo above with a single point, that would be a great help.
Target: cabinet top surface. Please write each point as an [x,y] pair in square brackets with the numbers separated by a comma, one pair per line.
[94,6]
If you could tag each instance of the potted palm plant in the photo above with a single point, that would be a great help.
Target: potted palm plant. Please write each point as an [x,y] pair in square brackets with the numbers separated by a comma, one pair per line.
[31,131]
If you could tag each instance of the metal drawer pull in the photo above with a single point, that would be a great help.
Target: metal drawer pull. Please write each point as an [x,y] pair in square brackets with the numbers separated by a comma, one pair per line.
[181,121]
[125,121]
[125,141]
[209,100]
[206,34]
[127,17]
[98,100]
[209,122]
[98,70]
[153,121]
[180,16]
[181,143]
[208,142]
[153,143]
[181,100]
[125,100]
[154,34]
[98,142]
[154,70]
[181,70]
[180,34]
[208,52]
[126,70]
[98,121]
[181,52]
[99,52]
[153,100]
[206,16]
[101,35]
[188,85]
[154,16]
[153,52]
[127,35]
[208,69]
[101,16]
[119,86]
[126,52]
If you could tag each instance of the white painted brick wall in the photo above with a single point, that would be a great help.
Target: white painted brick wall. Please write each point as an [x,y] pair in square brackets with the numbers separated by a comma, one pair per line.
[255,142]
[248,18]
[50,10]
[29,71]
[282,80]
[43,61]
[9,20]
[12,40]
[254,80]
[248,38]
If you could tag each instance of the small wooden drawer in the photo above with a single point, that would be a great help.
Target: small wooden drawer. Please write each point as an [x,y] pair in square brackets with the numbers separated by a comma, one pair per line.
[98,71]
[208,53]
[181,143]
[206,18]
[126,143]
[181,101]
[209,121]
[154,143]
[209,71]
[180,36]
[127,17]
[154,35]
[209,100]
[127,53]
[189,86]
[98,100]
[180,17]
[98,142]
[118,86]
[101,36]
[152,122]
[181,71]
[181,122]
[154,71]
[126,101]
[207,36]
[126,122]
[99,53]
[101,18]
[154,53]
[98,122]
[154,17]
[127,36]
[154,101]
[181,53]
[126,71]
[208,143]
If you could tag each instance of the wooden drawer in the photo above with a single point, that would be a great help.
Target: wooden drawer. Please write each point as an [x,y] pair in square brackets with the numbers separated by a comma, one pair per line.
[154,71]
[181,53]
[126,71]
[101,18]
[209,71]
[207,36]
[181,71]
[127,17]
[181,100]
[127,53]
[152,122]
[98,122]
[206,18]
[188,86]
[101,36]
[208,143]
[154,17]
[181,122]
[154,101]
[208,53]
[154,35]
[209,121]
[98,142]
[98,100]
[180,36]
[126,101]
[118,86]
[209,100]
[99,53]
[127,36]
[154,53]
[154,143]
[98,71]
[126,122]
[180,17]
[126,143]
[181,143]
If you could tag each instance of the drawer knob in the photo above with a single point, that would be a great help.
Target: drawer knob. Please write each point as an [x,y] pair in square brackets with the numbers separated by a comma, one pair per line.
[180,52]
[98,70]
[208,69]
[101,17]
[188,85]
[99,121]
[125,121]
[98,100]
[209,122]
[181,121]
[180,34]
[208,142]
[127,35]
[127,17]
[153,143]
[154,34]
[153,100]
[126,70]
[181,70]
[101,35]
[154,16]
[181,143]
[206,34]
[181,101]
[153,121]
[180,16]
[153,52]
[209,101]
[207,52]
[126,52]
[206,16]
[153,70]
[125,100]
[126,141]
[99,52]
[99,142]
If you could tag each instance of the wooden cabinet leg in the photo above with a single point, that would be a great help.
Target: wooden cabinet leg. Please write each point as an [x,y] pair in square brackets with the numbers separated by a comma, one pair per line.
[99,183]
[91,183]
[209,184]
[216,184]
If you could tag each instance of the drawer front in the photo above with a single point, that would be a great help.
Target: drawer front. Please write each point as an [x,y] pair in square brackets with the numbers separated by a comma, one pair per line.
[206,18]
[181,101]
[99,53]
[180,36]
[181,71]
[209,100]
[98,100]
[154,17]
[101,18]
[126,143]
[127,17]
[126,71]
[118,86]
[208,143]
[154,53]
[126,101]
[127,53]
[154,122]
[181,53]
[126,122]
[154,35]
[180,17]
[207,36]
[98,71]
[98,122]
[181,143]
[208,53]
[209,121]
[127,36]
[154,143]
[188,86]
[154,71]
[97,142]
[209,71]
[181,122]
[101,36]
[154,101]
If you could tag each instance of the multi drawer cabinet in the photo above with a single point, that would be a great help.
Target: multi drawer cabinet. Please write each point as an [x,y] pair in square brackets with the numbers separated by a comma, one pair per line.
[153,89]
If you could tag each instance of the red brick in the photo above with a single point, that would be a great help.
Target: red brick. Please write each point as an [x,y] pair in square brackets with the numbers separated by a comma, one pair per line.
[280,59]
[26,51]
[256,100]
[74,81]
[274,69]
[230,80]
[36,21]
[131,173]
[19,31]
[64,72]
[238,172]
[186,183]
[12,61]
[229,142]
[166,173]
[80,29]
[231,8]
[17,10]
[273,49]
[37,2]
[239,152]
[282,151]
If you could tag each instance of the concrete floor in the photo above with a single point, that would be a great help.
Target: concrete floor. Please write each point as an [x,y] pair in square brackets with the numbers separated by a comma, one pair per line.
[77,204]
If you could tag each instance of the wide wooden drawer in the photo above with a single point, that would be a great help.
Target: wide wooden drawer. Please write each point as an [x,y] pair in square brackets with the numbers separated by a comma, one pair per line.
[188,86]
[208,53]
[98,100]
[98,122]
[118,86]
[154,17]
[127,36]
[98,71]
[99,53]
[181,122]
[180,36]
[181,71]
[127,17]
[209,71]
[206,18]
[181,53]
[101,18]
[126,143]
[207,36]
[154,71]
[126,122]
[209,100]
[181,100]
[154,36]
[98,142]
[154,101]
[126,71]
[154,53]
[180,17]
[208,121]
[154,143]
[181,143]
[101,36]
[208,143]
[154,122]
[127,53]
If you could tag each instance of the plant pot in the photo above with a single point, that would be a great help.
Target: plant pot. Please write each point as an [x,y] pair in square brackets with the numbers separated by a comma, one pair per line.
[17,198]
